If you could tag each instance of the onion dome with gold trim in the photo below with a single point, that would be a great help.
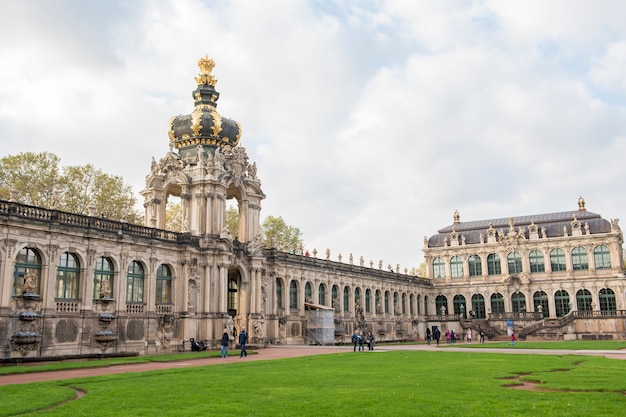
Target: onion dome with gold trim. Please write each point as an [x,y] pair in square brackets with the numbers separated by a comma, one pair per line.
[204,126]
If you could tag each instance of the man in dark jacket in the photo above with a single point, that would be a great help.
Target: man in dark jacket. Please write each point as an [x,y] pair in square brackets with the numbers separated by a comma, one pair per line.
[243,339]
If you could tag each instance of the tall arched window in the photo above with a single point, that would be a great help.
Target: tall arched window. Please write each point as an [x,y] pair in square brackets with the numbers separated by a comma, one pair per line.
[279,294]
[134,283]
[357,296]
[602,257]
[561,303]
[441,301]
[518,302]
[232,300]
[458,303]
[419,304]
[346,299]
[27,272]
[475,266]
[293,295]
[321,296]
[386,302]
[607,301]
[478,306]
[579,259]
[308,292]
[497,303]
[403,303]
[557,260]
[515,263]
[540,301]
[334,292]
[163,285]
[368,300]
[68,277]
[378,301]
[583,300]
[456,267]
[493,264]
[103,279]
[536,261]
[411,304]
[439,268]
[396,303]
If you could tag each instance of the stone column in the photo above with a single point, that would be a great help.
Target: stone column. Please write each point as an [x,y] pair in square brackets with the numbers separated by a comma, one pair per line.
[222,289]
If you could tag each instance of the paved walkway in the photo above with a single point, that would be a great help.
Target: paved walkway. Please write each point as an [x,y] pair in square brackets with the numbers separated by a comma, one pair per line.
[276,352]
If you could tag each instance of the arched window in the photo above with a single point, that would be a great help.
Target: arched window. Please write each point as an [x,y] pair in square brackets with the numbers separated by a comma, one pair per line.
[497,303]
[419,304]
[561,303]
[308,292]
[478,306]
[403,303]
[103,279]
[27,272]
[456,267]
[411,304]
[439,268]
[602,257]
[134,283]
[293,295]
[579,259]
[68,277]
[540,301]
[518,302]
[386,302]
[321,296]
[232,300]
[163,285]
[607,301]
[458,303]
[515,263]
[425,305]
[279,294]
[475,266]
[396,303]
[441,301]
[335,294]
[536,261]
[493,264]
[346,299]
[368,300]
[583,301]
[557,260]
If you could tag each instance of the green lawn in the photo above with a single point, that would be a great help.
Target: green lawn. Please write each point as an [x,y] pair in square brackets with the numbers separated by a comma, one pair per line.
[394,383]
[565,345]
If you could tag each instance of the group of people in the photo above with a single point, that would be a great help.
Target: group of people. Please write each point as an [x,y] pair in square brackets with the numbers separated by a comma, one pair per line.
[451,336]
[243,339]
[359,339]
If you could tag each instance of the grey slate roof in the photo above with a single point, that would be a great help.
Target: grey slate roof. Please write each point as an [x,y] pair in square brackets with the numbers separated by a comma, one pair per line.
[552,222]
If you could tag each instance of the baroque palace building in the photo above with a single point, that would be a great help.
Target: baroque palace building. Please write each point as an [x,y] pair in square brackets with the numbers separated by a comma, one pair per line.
[79,285]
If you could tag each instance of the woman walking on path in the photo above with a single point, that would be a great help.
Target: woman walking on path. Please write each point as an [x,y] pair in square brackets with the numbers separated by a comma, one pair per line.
[225,341]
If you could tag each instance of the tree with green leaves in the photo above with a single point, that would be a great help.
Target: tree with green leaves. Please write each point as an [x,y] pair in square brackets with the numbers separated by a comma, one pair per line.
[38,179]
[278,234]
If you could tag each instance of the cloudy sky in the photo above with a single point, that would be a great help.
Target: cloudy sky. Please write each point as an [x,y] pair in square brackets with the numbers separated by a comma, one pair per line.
[371,122]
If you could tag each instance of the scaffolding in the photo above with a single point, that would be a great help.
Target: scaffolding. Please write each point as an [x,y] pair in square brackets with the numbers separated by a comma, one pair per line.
[320,324]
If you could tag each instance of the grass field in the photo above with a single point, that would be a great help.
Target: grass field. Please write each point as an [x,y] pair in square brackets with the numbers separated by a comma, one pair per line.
[394,383]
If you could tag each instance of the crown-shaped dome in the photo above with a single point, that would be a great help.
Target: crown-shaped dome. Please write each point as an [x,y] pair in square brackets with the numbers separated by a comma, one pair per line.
[204,126]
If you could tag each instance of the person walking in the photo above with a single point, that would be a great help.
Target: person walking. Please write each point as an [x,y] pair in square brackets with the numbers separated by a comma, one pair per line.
[437,335]
[429,336]
[468,336]
[448,335]
[355,339]
[513,339]
[225,341]
[482,335]
[243,339]
[361,342]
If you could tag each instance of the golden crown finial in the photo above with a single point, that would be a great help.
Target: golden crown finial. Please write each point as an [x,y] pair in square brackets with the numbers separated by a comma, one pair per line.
[206,65]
